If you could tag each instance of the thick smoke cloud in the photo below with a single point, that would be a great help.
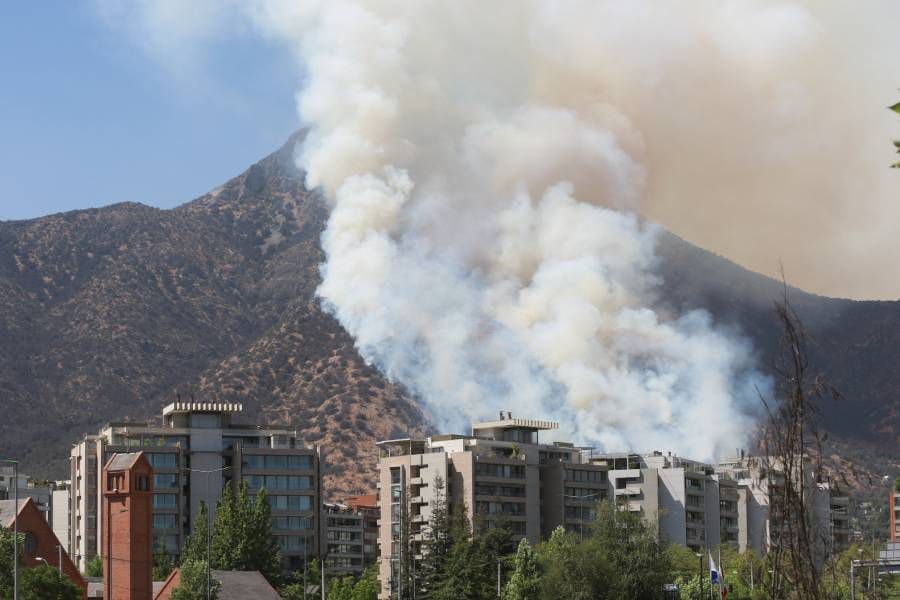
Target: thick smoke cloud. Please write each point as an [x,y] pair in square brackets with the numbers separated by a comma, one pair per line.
[482,246]
[485,163]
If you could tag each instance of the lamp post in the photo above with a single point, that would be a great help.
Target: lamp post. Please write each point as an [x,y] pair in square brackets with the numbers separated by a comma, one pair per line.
[208,520]
[15,465]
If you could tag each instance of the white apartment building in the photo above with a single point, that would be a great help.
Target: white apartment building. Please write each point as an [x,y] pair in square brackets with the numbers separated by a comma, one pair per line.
[195,452]
[501,473]
[680,497]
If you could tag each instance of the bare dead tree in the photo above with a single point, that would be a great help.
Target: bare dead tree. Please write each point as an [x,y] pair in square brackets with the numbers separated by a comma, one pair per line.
[792,463]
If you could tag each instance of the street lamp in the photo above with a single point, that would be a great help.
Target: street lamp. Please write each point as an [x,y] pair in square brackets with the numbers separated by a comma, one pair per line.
[208,521]
[15,465]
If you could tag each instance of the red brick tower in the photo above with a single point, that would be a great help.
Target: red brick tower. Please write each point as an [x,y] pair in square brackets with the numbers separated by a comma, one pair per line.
[127,528]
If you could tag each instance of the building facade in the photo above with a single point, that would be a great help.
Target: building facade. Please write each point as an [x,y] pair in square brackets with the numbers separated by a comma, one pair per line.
[195,451]
[367,506]
[501,473]
[894,514]
[344,529]
[127,515]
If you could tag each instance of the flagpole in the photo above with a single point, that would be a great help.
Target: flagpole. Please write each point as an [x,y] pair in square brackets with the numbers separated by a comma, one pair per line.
[721,571]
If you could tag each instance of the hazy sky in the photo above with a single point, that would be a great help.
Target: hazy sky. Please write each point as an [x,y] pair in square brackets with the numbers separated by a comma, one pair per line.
[89,118]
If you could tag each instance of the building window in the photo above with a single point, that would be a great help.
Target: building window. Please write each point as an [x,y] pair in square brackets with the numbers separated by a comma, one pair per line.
[142,483]
[163,461]
[165,500]
[165,521]
[296,503]
[165,480]
[291,523]
[494,470]
[500,508]
[586,476]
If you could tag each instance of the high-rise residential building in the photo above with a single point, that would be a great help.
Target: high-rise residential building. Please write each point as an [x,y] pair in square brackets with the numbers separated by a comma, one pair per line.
[501,473]
[195,451]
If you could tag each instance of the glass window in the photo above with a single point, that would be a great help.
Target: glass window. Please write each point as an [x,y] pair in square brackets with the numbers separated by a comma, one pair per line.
[165,521]
[163,461]
[165,480]
[165,500]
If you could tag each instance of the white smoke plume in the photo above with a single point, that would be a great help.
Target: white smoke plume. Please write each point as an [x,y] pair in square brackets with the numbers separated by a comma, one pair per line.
[482,247]
[485,163]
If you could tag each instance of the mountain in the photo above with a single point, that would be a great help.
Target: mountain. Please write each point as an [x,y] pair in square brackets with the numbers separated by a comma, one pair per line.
[106,314]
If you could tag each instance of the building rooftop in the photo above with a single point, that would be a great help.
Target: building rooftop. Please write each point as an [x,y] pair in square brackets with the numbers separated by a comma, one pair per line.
[7,512]
[510,423]
[122,461]
[202,407]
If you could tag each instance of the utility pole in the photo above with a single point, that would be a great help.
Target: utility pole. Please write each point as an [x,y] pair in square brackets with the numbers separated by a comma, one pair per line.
[15,465]
[498,577]
[322,571]
[208,522]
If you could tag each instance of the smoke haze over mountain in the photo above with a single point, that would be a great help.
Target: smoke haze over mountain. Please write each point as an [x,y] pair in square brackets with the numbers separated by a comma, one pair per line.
[485,163]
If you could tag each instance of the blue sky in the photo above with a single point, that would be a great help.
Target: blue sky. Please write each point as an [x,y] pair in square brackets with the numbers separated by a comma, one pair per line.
[88,118]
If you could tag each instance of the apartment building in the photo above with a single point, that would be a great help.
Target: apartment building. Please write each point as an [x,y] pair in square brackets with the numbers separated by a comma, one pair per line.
[26,489]
[195,451]
[344,528]
[681,497]
[757,480]
[894,513]
[501,473]
[367,506]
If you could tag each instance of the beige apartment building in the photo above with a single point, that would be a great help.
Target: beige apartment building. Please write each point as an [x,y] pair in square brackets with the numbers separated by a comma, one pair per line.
[195,451]
[499,473]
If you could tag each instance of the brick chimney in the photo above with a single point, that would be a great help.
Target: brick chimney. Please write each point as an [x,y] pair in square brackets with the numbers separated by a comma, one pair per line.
[127,544]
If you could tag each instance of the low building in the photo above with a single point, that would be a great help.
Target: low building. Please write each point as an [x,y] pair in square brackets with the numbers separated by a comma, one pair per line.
[233,585]
[367,506]
[344,528]
[40,542]
[27,488]
[196,450]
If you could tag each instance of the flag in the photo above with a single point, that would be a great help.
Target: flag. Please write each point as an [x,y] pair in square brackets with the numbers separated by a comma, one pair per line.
[713,570]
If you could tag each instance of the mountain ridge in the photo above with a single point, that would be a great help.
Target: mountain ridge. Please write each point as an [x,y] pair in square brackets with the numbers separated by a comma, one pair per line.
[109,312]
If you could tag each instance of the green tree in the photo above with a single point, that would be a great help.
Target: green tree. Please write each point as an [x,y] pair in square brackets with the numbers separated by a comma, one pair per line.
[6,560]
[163,564]
[94,567]
[193,582]
[242,535]
[571,569]
[460,579]
[195,545]
[367,587]
[437,542]
[47,583]
[341,588]
[634,553]
[525,582]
